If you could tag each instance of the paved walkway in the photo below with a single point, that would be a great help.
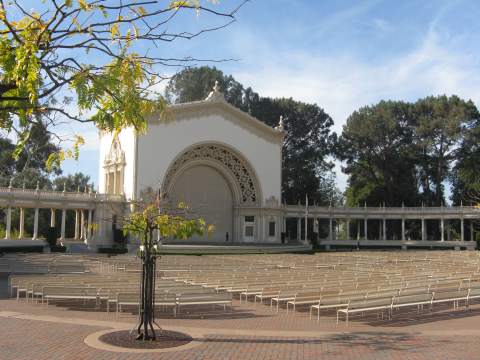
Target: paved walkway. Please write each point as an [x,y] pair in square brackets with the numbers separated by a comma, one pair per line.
[32,331]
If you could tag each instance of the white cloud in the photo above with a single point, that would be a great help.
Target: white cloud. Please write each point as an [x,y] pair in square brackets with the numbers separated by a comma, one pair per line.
[381,25]
[343,84]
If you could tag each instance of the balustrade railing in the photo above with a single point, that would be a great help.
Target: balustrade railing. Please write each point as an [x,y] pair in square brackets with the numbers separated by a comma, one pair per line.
[367,210]
[37,194]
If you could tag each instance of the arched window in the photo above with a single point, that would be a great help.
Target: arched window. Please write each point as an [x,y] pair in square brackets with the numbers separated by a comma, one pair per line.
[114,166]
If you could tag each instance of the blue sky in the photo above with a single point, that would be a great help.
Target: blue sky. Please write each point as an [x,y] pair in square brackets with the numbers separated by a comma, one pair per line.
[340,54]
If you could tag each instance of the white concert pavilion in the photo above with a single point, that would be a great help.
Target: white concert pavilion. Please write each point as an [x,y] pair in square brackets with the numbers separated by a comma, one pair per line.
[227,166]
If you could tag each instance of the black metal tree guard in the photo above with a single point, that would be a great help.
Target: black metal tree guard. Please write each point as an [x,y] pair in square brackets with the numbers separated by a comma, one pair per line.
[146,319]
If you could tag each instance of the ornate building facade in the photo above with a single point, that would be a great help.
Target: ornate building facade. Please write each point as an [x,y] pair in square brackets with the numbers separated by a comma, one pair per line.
[223,163]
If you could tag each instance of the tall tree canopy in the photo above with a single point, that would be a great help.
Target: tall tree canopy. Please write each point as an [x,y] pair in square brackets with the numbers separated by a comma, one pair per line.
[442,124]
[30,165]
[465,175]
[376,145]
[398,152]
[306,169]
[194,84]
[90,61]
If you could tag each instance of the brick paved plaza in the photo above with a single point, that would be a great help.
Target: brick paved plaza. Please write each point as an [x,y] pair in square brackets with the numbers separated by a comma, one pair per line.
[60,331]
[31,332]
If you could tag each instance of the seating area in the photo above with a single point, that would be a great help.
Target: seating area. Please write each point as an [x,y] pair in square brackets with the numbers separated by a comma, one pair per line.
[98,282]
[343,285]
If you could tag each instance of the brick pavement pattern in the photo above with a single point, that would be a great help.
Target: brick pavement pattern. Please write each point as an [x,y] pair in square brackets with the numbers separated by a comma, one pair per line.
[25,339]
[39,339]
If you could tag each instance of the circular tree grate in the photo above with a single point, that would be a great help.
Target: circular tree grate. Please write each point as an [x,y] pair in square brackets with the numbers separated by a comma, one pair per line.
[165,339]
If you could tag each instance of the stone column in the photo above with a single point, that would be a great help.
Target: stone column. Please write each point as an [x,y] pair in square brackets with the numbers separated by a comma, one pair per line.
[115,181]
[62,226]
[462,230]
[335,229]
[384,228]
[22,223]
[77,225]
[403,229]
[52,218]
[35,225]
[8,225]
[442,229]
[348,229]
[365,225]
[423,230]
[89,226]
[120,185]
[82,225]
[107,182]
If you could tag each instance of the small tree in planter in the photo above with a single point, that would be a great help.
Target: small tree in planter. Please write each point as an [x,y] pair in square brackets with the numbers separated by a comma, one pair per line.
[145,221]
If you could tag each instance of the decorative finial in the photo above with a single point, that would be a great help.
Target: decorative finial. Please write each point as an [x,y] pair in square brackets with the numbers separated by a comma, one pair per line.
[215,94]
[279,127]
[10,184]
[64,186]
[23,185]
[38,185]
[78,188]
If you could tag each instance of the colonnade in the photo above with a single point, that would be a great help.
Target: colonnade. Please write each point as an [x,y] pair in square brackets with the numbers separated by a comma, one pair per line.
[83,223]
[383,229]
[383,226]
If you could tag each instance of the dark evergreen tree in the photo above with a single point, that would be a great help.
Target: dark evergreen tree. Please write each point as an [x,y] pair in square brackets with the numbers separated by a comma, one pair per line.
[376,146]
[442,125]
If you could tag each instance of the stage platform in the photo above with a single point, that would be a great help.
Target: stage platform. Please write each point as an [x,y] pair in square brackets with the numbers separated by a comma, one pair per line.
[22,245]
[178,247]
[40,245]
[397,244]
[193,248]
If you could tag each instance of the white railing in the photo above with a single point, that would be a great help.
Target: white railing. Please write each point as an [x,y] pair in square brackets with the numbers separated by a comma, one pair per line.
[37,194]
[383,210]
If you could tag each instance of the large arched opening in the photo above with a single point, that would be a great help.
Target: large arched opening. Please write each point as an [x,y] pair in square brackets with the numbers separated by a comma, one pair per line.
[209,195]
[215,181]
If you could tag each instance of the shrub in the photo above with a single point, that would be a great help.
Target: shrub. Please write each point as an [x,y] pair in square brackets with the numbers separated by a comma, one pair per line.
[51,236]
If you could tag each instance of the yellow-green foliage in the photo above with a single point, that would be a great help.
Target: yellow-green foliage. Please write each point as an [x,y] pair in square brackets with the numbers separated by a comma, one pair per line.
[172,224]
[13,233]
[85,47]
